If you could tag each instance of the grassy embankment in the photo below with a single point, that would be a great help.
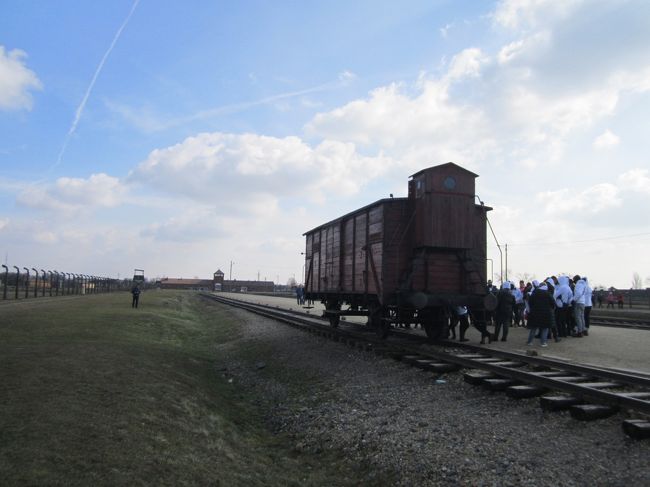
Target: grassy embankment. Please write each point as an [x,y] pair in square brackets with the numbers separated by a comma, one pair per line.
[94,392]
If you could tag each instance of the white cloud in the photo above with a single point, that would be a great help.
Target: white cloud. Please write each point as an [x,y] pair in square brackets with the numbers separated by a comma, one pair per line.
[635,81]
[541,115]
[46,237]
[347,76]
[467,63]
[606,140]
[546,120]
[16,81]
[521,119]
[574,204]
[521,14]
[236,171]
[407,126]
[444,31]
[192,225]
[510,51]
[635,180]
[522,49]
[75,194]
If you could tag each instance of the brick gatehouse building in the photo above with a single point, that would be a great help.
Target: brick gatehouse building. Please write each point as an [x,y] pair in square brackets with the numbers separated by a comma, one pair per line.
[217,283]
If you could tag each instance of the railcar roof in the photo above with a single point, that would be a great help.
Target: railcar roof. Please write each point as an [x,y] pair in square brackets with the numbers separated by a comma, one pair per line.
[440,166]
[383,200]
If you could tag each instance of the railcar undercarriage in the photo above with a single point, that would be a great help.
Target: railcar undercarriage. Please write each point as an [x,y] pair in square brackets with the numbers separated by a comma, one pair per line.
[433,316]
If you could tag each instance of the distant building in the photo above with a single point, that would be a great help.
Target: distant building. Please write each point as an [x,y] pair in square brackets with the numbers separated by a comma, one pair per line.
[217,283]
[190,284]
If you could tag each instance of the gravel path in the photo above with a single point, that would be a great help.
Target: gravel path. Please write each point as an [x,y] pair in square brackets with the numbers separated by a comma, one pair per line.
[419,428]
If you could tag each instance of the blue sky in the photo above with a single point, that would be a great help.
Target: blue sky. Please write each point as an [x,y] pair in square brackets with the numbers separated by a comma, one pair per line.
[178,137]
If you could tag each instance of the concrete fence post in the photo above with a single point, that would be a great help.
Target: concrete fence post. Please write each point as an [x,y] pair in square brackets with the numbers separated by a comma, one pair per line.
[43,283]
[17,278]
[35,282]
[6,282]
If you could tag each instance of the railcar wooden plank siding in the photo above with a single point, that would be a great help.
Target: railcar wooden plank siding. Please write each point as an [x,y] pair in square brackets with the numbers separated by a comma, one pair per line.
[404,259]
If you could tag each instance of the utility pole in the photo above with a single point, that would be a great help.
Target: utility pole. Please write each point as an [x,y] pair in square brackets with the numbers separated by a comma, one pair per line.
[499,248]
[230,278]
[506,262]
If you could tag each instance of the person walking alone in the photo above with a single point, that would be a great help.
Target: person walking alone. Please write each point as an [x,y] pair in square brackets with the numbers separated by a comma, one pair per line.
[136,296]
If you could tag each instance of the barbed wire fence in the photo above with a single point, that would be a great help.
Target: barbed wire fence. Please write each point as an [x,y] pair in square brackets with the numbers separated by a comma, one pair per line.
[26,283]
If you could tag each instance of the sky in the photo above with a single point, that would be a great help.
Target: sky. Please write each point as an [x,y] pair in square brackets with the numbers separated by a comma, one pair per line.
[185,137]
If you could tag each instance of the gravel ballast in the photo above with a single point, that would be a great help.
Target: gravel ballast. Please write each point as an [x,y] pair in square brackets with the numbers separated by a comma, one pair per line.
[410,427]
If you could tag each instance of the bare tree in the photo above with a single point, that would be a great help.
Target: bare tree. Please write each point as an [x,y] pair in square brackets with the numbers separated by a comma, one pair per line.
[525,276]
[637,282]
[291,282]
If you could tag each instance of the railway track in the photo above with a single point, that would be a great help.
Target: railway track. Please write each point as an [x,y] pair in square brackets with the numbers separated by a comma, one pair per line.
[621,322]
[587,392]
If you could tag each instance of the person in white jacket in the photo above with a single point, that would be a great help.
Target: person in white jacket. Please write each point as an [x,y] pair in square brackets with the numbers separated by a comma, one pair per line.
[563,297]
[579,298]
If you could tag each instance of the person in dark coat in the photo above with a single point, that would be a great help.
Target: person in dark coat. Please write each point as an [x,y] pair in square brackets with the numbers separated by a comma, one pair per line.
[478,321]
[136,296]
[459,316]
[503,313]
[541,316]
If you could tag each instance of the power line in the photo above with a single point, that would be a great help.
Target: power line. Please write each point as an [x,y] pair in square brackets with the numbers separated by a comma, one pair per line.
[581,241]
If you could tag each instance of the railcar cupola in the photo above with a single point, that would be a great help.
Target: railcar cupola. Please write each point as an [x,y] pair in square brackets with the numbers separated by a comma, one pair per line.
[443,197]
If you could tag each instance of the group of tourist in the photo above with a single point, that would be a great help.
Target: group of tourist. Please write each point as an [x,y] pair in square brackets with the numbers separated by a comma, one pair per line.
[611,298]
[559,306]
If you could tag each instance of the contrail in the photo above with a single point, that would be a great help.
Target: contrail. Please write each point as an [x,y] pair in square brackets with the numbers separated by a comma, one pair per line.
[237,107]
[82,105]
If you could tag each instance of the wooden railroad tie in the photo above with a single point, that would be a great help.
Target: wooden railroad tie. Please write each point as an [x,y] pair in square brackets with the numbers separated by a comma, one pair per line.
[639,429]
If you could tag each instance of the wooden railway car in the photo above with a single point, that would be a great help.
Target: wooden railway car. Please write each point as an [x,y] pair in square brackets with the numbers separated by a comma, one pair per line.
[404,260]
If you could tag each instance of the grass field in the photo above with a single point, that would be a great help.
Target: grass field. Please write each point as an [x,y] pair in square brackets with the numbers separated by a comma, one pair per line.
[97,393]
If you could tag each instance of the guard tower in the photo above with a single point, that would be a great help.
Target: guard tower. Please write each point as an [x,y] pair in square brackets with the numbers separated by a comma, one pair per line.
[138,276]
[217,280]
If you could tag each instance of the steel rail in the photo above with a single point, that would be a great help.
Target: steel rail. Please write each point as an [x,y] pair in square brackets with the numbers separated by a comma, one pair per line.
[575,389]
[621,322]
[460,359]
[603,373]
